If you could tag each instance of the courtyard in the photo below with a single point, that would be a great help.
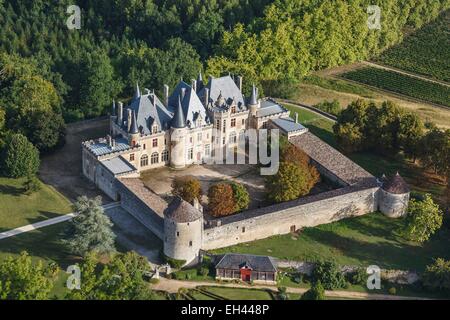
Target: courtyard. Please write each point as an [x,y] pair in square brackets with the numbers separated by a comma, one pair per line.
[160,180]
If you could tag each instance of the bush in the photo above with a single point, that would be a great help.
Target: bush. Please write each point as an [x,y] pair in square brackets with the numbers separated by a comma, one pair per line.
[221,200]
[358,277]
[437,275]
[203,271]
[20,158]
[332,107]
[329,275]
[392,290]
[188,188]
[32,185]
[174,263]
[240,195]
[317,292]
[282,293]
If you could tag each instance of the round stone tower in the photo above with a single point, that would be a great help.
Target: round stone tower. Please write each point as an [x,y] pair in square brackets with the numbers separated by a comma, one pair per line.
[183,230]
[178,133]
[394,196]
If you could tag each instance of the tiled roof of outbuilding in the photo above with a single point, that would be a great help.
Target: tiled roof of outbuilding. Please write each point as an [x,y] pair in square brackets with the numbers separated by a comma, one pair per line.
[256,263]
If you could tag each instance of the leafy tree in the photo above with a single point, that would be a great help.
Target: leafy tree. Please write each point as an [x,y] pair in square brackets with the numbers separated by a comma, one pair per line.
[435,150]
[90,230]
[437,275]
[423,220]
[240,195]
[119,279]
[188,188]
[317,292]
[21,279]
[410,134]
[46,130]
[332,107]
[20,158]
[329,275]
[349,137]
[221,200]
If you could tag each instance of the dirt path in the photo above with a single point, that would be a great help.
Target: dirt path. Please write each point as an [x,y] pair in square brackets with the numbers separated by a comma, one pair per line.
[173,286]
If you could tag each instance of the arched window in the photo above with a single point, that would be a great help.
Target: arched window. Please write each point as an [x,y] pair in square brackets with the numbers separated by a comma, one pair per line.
[155,157]
[233,109]
[144,160]
[165,156]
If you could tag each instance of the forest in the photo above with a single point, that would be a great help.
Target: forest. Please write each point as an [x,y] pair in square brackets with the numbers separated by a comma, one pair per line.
[51,75]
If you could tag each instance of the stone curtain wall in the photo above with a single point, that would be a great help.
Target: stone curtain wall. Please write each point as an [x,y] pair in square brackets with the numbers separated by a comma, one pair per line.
[140,210]
[281,218]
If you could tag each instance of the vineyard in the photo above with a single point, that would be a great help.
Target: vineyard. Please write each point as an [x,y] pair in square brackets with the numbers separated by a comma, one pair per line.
[402,84]
[426,51]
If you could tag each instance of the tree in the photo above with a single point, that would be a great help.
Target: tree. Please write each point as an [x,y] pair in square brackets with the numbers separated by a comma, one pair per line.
[329,275]
[221,200]
[46,130]
[332,107]
[20,158]
[119,279]
[423,220]
[90,230]
[349,137]
[437,275]
[290,182]
[241,196]
[317,292]
[21,279]
[187,187]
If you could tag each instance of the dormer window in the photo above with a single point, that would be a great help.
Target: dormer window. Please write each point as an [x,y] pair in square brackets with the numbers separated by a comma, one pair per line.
[154,129]
[233,109]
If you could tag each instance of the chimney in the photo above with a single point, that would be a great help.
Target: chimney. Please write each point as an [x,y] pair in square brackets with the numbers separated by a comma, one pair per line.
[183,93]
[296,117]
[196,204]
[206,97]
[109,138]
[194,85]
[128,119]
[166,95]
[120,114]
[239,83]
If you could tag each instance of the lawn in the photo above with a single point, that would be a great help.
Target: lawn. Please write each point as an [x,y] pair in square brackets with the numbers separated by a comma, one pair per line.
[18,209]
[369,239]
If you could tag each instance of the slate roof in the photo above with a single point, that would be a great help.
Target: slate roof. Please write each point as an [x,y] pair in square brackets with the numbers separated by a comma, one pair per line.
[192,106]
[227,87]
[395,185]
[256,263]
[149,111]
[178,119]
[118,166]
[288,124]
[331,159]
[268,108]
[181,211]
[100,147]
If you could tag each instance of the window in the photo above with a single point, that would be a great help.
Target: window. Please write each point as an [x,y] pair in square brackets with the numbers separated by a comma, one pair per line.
[155,143]
[233,122]
[178,233]
[165,141]
[243,229]
[154,129]
[165,156]
[223,140]
[144,160]
[264,125]
[217,124]
[144,146]
[224,125]
[155,157]
[190,243]
[132,157]
[243,121]
[199,137]
[207,150]
[233,109]
[232,137]
[190,154]
[190,139]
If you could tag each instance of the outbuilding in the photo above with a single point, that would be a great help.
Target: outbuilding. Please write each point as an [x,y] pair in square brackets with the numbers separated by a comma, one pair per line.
[245,267]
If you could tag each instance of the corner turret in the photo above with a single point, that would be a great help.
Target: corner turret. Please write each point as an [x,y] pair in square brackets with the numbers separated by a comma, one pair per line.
[394,196]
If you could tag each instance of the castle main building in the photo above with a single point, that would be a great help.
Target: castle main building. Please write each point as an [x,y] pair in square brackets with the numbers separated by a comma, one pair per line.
[184,128]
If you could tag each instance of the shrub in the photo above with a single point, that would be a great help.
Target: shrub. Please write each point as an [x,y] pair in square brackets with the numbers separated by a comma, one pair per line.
[32,185]
[282,293]
[332,107]
[221,200]
[174,263]
[317,292]
[188,188]
[392,290]
[20,158]
[241,196]
[437,275]
[358,277]
[329,275]
[203,271]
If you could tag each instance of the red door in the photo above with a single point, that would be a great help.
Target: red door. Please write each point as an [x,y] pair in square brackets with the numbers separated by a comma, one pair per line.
[246,274]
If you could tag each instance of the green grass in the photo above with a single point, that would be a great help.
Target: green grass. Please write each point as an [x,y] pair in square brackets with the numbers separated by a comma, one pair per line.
[18,209]
[240,294]
[338,85]
[400,83]
[369,239]
[425,52]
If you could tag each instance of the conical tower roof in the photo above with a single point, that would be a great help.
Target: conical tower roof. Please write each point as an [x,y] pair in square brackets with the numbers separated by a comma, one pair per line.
[133,128]
[254,96]
[181,211]
[137,93]
[178,120]
[395,185]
